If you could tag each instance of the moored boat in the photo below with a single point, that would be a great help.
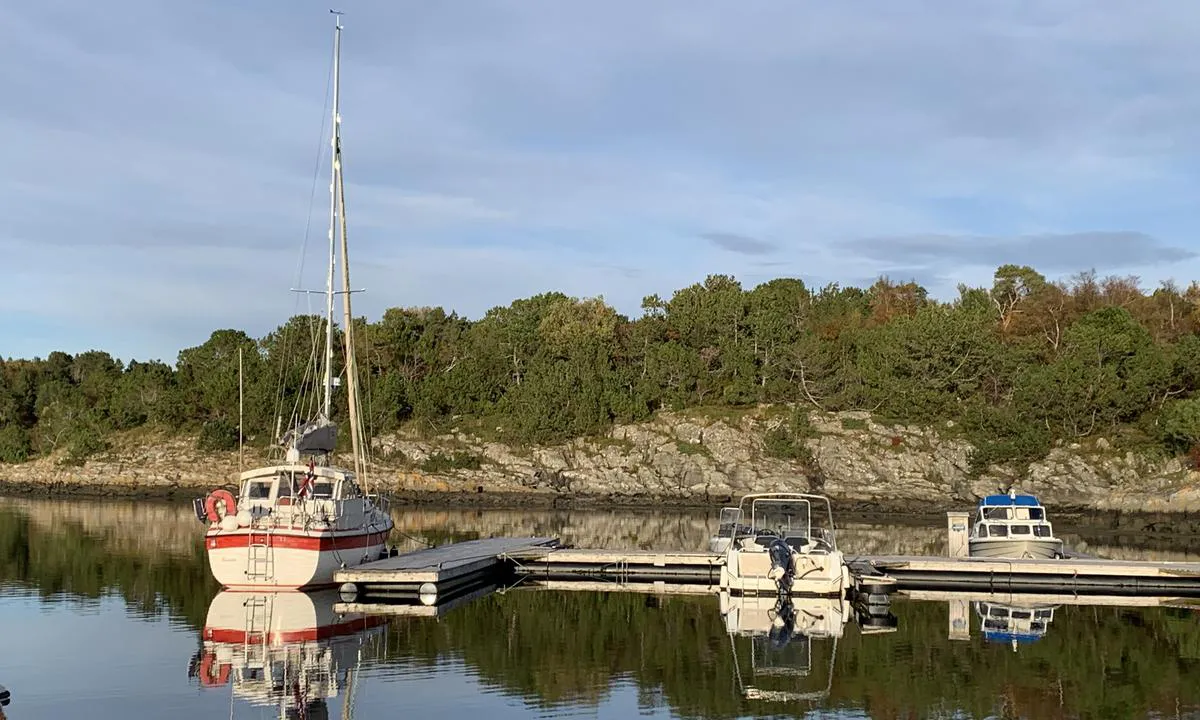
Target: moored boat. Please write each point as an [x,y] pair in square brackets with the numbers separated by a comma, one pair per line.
[1013,526]
[294,524]
[781,543]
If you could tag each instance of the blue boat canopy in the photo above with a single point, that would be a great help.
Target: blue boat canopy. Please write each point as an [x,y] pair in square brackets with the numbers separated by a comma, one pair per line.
[1008,637]
[1005,500]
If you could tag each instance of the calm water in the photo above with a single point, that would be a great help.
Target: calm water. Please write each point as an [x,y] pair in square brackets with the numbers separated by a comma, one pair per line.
[103,608]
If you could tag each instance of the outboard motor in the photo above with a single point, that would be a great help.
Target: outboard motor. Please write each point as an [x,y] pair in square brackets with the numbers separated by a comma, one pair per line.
[783,568]
[200,510]
[783,624]
[4,697]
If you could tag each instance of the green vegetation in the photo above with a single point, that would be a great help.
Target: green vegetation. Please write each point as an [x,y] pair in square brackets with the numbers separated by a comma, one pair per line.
[438,462]
[1018,367]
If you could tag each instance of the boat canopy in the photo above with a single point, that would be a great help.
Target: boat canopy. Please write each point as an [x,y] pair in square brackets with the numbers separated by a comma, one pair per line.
[1008,637]
[1007,500]
[316,436]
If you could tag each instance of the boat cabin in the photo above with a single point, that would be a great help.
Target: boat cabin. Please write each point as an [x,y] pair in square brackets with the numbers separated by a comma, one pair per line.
[289,491]
[1012,515]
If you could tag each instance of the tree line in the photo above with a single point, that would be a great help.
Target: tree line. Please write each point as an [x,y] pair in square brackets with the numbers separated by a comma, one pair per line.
[1015,367]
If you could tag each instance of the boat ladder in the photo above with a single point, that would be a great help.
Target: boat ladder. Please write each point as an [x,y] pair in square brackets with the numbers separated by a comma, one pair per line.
[258,624]
[260,556]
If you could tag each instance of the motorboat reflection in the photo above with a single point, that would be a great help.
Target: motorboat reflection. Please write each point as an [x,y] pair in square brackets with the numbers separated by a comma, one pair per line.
[1013,624]
[782,634]
[285,649]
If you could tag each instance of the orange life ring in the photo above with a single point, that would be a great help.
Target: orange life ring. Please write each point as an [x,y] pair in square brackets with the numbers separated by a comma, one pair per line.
[210,505]
[206,671]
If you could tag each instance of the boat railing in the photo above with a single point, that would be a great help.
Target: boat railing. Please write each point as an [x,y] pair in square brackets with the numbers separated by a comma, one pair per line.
[383,502]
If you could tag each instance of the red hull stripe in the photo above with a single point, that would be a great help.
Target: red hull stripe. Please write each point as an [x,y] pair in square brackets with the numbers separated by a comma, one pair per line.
[231,635]
[284,539]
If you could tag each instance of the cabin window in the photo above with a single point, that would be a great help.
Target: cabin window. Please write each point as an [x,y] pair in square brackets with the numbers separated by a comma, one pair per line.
[322,489]
[1037,514]
[983,531]
[1041,530]
[999,531]
[998,612]
[1020,529]
[285,486]
[1022,614]
[1043,613]
[996,513]
[258,490]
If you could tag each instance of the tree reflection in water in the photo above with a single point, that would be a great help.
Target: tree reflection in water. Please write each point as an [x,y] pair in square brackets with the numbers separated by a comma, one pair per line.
[564,648]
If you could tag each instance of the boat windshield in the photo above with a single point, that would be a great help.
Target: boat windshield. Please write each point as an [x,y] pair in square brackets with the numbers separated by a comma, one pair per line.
[782,517]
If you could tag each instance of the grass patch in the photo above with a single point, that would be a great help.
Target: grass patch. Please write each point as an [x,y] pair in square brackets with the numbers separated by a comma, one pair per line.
[733,416]
[854,424]
[443,462]
[687,448]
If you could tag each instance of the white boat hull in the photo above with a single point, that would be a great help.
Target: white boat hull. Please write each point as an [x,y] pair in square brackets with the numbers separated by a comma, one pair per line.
[824,575]
[292,559]
[1016,548]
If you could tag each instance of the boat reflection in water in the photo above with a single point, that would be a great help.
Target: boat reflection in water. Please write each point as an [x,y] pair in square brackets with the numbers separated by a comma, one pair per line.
[286,649]
[1015,624]
[785,633]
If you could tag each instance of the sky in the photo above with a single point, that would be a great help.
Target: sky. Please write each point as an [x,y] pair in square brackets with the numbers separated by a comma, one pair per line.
[165,171]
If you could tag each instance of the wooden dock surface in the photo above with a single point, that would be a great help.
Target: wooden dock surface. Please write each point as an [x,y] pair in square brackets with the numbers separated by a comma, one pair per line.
[446,562]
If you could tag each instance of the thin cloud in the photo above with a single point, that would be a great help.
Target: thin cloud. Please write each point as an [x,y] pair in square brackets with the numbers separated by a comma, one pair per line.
[743,244]
[1102,250]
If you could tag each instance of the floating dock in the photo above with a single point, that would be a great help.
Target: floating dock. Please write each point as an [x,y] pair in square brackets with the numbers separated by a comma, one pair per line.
[1077,575]
[455,572]
[623,566]
[442,571]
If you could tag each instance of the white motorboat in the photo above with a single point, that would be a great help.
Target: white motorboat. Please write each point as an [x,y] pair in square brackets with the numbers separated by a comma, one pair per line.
[294,524]
[779,543]
[1013,526]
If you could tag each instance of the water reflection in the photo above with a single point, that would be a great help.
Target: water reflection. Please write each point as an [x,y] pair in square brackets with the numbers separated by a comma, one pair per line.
[1014,623]
[525,652]
[781,633]
[289,650]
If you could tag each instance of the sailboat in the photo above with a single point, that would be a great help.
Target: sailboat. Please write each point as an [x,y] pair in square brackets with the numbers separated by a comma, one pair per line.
[294,524]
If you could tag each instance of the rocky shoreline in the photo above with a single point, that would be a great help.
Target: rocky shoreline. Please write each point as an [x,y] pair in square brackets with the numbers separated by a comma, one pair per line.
[676,460]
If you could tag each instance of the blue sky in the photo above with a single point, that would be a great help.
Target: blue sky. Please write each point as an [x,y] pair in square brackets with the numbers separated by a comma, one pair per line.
[159,166]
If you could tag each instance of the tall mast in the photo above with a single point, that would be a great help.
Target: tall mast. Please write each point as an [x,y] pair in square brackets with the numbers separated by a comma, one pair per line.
[356,434]
[333,176]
